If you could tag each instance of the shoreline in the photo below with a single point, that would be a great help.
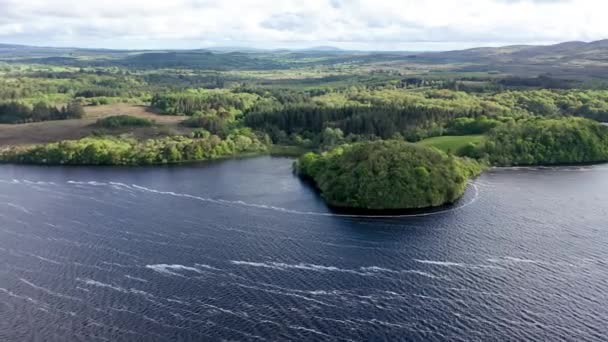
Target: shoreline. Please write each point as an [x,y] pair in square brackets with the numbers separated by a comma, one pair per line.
[279,151]
[288,151]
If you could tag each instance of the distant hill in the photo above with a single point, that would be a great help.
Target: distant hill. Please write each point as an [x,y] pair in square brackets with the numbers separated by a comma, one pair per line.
[194,59]
[566,60]
[569,60]
[14,50]
[322,49]
[11,46]
[564,52]
[202,59]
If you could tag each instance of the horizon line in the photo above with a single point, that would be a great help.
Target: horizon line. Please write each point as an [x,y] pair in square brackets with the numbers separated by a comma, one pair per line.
[320,47]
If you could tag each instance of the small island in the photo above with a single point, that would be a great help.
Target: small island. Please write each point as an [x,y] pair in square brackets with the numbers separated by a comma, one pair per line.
[387,175]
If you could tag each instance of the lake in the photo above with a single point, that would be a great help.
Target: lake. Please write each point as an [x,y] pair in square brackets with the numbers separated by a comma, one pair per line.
[243,250]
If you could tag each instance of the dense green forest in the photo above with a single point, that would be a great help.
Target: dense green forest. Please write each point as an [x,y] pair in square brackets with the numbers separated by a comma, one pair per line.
[417,114]
[202,101]
[545,142]
[118,151]
[387,175]
[16,112]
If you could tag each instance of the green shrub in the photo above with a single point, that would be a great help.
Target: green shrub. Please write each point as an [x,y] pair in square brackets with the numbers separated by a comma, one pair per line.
[119,121]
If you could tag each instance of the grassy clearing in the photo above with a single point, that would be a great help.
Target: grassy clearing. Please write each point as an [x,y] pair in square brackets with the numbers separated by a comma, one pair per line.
[451,143]
[287,150]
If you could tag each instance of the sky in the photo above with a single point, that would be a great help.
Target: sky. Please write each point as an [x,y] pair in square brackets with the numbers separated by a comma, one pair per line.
[410,25]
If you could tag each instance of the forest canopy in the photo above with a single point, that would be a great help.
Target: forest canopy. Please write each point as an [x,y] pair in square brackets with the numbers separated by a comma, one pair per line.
[119,151]
[540,141]
[17,112]
[387,175]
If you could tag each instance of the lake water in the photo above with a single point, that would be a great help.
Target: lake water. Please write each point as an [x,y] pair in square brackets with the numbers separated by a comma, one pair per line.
[242,250]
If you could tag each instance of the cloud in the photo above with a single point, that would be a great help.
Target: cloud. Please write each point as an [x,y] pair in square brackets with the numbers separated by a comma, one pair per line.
[337,4]
[289,22]
[362,24]
[535,1]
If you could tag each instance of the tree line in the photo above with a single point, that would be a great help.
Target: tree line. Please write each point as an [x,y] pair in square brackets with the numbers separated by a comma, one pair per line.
[117,151]
[199,101]
[540,141]
[16,112]
[383,121]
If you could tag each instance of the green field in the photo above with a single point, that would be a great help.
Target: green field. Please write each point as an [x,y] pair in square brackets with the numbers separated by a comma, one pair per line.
[451,143]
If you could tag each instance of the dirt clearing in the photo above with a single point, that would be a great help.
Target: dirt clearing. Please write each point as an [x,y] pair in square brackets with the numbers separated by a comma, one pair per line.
[52,131]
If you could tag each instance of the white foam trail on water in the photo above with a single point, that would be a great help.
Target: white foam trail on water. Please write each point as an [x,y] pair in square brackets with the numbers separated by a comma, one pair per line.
[122,310]
[18,207]
[94,183]
[382,269]
[96,283]
[136,278]
[270,207]
[246,334]
[297,212]
[527,261]
[38,182]
[169,269]
[209,267]
[301,266]
[177,301]
[453,264]
[100,284]
[121,186]
[115,264]
[46,259]
[14,295]
[316,332]
[42,306]
[309,292]
[49,292]
[362,271]
[230,312]
[440,263]
[283,293]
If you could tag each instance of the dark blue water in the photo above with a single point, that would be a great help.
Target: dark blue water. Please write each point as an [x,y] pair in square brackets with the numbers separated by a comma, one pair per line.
[242,250]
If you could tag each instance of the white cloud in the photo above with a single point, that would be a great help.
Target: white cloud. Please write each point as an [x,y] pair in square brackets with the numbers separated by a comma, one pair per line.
[365,24]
